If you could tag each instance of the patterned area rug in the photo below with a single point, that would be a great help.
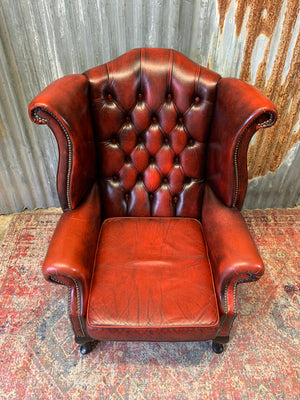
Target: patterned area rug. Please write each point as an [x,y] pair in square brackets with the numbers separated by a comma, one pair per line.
[39,359]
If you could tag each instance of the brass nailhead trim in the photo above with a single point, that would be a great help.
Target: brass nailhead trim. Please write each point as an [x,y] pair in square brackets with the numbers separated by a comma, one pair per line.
[37,118]
[69,299]
[235,154]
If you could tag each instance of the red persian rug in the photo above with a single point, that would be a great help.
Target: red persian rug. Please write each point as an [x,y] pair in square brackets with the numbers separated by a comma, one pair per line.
[39,359]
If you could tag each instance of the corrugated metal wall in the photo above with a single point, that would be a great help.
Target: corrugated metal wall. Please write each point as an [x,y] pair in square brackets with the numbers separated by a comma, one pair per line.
[42,40]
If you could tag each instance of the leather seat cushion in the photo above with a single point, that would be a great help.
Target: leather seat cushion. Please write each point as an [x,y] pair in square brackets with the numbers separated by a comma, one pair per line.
[152,280]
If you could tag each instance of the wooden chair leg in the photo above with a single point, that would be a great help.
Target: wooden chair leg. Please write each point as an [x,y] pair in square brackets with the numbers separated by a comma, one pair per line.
[87,344]
[87,347]
[218,348]
[218,344]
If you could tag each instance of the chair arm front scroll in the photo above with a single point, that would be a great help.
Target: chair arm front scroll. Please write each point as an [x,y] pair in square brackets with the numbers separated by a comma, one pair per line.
[64,107]
[240,111]
[232,251]
[70,257]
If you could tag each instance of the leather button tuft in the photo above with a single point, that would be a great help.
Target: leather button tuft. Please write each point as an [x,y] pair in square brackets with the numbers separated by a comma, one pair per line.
[180,120]
[127,118]
[175,199]
[169,96]
[151,196]
[115,178]
[140,177]
[165,180]
[197,99]
[140,96]
[154,119]
[191,141]
[151,159]
[176,159]
[126,196]
[128,159]
[109,96]
[187,179]
[139,139]
[166,139]
[114,140]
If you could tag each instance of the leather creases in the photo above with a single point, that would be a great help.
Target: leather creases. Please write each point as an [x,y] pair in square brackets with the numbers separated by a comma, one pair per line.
[151,140]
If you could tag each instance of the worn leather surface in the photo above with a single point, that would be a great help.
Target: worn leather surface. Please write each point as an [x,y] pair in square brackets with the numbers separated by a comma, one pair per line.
[64,107]
[70,257]
[232,251]
[151,133]
[150,138]
[240,111]
[152,281]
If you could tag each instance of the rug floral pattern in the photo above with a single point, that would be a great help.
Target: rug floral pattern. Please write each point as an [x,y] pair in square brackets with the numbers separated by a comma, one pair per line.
[39,359]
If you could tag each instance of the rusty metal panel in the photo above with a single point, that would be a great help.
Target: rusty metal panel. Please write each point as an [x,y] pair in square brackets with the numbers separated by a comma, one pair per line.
[42,40]
[269,39]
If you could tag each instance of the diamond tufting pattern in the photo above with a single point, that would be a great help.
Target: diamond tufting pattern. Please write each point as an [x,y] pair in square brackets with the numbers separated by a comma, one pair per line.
[151,127]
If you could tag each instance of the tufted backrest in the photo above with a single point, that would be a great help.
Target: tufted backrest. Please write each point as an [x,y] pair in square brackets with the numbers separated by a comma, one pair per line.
[151,111]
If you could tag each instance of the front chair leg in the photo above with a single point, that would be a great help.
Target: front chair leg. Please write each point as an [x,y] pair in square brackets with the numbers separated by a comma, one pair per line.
[218,348]
[86,348]
[87,344]
[218,344]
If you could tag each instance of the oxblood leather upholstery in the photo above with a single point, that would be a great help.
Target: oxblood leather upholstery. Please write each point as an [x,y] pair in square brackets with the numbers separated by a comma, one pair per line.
[159,277]
[152,134]
[150,139]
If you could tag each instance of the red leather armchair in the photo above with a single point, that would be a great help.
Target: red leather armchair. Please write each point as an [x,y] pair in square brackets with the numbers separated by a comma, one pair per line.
[152,173]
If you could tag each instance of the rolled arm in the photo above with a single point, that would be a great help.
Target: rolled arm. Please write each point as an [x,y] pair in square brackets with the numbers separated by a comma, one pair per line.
[70,257]
[233,254]
[64,107]
[240,111]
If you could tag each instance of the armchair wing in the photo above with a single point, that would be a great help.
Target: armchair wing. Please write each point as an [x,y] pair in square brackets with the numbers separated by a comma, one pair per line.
[240,111]
[64,107]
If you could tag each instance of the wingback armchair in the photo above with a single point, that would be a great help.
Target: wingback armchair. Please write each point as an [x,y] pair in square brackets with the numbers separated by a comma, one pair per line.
[152,174]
